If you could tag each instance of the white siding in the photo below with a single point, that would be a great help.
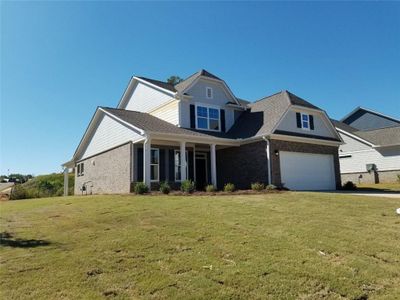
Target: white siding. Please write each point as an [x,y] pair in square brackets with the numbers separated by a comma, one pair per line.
[198,93]
[360,154]
[169,112]
[289,123]
[145,98]
[108,134]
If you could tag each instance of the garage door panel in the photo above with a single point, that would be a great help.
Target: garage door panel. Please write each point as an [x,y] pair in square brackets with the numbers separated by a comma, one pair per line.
[307,171]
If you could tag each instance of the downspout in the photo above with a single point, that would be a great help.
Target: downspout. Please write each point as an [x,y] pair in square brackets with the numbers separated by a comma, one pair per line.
[268,158]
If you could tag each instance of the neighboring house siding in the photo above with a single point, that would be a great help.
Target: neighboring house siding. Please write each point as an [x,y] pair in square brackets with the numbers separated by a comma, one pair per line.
[145,98]
[168,113]
[242,165]
[277,145]
[364,120]
[106,173]
[351,144]
[321,127]
[109,133]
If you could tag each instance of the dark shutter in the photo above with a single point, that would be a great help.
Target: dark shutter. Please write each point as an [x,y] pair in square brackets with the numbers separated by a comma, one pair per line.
[311,118]
[162,165]
[171,165]
[190,165]
[298,118]
[192,116]
[223,120]
[139,164]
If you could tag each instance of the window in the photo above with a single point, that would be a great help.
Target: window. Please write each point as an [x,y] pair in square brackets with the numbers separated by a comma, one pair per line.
[177,159]
[208,118]
[305,121]
[155,165]
[209,92]
[80,169]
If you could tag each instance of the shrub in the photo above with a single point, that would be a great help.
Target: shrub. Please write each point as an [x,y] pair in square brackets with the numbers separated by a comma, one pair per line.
[271,187]
[188,186]
[257,186]
[350,186]
[398,177]
[165,188]
[210,188]
[229,187]
[141,188]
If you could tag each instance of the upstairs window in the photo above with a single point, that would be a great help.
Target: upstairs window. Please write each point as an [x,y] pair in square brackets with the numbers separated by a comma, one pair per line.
[209,93]
[155,164]
[208,118]
[305,121]
[80,169]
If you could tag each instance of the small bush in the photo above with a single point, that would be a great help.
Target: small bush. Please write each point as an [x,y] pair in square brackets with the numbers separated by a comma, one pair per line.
[165,188]
[257,186]
[141,188]
[349,186]
[188,186]
[229,187]
[398,177]
[210,188]
[271,187]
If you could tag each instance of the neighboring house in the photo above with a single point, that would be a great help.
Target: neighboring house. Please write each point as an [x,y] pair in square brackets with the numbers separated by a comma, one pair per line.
[371,149]
[199,130]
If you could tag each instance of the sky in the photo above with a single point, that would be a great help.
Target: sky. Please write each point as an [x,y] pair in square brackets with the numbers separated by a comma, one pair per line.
[60,60]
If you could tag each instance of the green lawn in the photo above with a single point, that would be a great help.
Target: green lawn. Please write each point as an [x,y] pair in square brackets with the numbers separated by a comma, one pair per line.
[270,246]
[390,187]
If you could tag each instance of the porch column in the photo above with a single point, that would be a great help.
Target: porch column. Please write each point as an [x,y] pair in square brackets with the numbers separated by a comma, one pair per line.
[66,181]
[213,165]
[183,161]
[146,162]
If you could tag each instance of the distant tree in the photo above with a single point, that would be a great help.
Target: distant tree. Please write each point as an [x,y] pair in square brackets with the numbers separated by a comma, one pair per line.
[20,178]
[174,80]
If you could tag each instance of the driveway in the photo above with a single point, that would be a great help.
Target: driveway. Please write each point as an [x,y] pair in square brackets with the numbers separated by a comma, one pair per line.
[386,194]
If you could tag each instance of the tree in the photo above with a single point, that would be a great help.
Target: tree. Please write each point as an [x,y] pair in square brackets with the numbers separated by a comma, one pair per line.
[174,79]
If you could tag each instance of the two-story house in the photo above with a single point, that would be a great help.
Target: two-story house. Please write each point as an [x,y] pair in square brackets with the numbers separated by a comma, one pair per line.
[199,130]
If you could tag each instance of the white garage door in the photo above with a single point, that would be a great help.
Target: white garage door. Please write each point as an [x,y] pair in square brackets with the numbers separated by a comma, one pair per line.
[307,171]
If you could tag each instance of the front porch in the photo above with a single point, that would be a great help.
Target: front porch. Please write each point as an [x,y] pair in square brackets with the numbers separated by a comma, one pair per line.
[155,161]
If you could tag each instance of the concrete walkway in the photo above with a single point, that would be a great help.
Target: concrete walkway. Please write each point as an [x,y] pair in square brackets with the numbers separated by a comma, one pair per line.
[387,194]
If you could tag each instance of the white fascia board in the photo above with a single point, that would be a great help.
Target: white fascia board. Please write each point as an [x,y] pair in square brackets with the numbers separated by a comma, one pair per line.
[129,86]
[193,139]
[291,138]
[355,137]
[155,86]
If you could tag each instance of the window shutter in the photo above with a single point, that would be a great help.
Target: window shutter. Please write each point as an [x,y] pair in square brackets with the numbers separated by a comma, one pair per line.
[298,118]
[192,116]
[222,112]
[311,118]
[171,165]
[139,167]
[162,165]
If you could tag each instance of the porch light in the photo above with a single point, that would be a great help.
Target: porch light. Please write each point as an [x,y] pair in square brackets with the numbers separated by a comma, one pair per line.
[276,152]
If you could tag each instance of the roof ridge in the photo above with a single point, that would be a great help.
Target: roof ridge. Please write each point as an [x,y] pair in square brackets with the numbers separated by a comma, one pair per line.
[265,98]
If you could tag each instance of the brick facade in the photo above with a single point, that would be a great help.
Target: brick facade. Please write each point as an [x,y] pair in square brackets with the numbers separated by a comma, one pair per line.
[379,177]
[277,145]
[242,165]
[107,173]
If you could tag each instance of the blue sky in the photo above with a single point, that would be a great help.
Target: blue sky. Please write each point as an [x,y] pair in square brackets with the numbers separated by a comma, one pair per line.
[60,60]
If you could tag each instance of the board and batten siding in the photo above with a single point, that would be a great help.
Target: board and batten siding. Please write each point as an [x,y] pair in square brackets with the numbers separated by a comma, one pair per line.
[289,123]
[198,93]
[354,156]
[145,98]
[108,134]
[168,112]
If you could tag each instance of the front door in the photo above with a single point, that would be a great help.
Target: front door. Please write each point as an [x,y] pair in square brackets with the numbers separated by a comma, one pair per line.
[201,171]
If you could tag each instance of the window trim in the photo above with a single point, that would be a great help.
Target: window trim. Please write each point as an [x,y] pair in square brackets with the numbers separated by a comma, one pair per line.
[211,92]
[187,165]
[158,165]
[80,169]
[308,121]
[208,106]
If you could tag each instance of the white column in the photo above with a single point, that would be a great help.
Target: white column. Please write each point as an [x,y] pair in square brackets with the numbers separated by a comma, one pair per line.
[194,162]
[146,162]
[183,161]
[213,165]
[65,181]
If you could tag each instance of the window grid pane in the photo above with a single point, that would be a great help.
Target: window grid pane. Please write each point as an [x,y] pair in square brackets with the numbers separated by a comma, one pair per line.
[202,123]
[202,111]
[213,113]
[305,124]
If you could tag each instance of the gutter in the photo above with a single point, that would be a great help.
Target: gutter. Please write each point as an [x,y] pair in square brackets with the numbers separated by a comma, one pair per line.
[268,157]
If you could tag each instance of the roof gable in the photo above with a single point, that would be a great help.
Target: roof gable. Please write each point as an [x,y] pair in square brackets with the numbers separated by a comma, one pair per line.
[366,119]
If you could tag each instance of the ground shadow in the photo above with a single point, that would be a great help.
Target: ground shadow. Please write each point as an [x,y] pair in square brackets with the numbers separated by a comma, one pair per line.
[8,240]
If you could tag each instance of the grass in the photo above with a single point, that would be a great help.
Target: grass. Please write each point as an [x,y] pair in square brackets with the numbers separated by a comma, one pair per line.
[277,246]
[389,187]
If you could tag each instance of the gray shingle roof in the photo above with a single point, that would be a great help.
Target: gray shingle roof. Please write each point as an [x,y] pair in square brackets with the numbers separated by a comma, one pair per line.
[382,137]
[188,81]
[162,84]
